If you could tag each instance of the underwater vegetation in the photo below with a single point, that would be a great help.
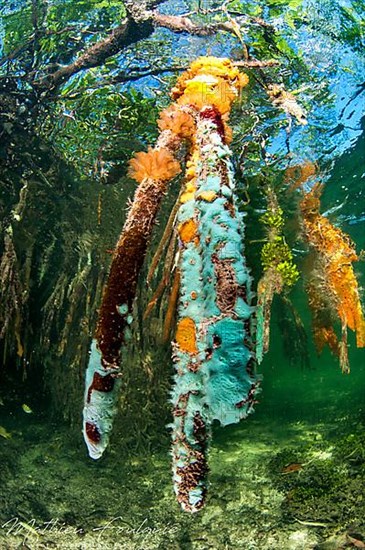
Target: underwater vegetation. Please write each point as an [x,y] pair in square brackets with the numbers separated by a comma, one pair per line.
[220,333]
[322,483]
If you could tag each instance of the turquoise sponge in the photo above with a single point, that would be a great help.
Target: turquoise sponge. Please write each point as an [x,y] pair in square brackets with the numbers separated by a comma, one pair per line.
[214,361]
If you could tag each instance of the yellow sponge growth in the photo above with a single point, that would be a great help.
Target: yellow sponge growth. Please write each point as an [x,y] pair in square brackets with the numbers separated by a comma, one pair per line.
[210,81]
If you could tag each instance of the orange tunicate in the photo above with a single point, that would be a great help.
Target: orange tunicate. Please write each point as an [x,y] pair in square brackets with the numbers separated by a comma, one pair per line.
[178,121]
[188,230]
[156,164]
[186,335]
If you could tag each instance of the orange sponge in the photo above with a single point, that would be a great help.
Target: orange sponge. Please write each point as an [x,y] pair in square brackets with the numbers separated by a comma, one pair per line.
[186,335]
[188,230]
[157,164]
[178,121]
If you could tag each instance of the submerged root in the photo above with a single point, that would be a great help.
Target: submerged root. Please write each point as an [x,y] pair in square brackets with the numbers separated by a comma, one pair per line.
[295,340]
[171,307]
[12,295]
[165,240]
[78,299]
[279,270]
[52,309]
[333,279]
[269,285]
[167,270]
